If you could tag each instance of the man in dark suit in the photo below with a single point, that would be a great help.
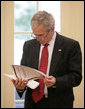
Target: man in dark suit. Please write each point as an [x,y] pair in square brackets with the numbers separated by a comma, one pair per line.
[64,64]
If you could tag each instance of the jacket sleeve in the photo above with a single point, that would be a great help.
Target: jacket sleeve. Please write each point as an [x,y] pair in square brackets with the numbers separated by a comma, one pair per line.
[24,55]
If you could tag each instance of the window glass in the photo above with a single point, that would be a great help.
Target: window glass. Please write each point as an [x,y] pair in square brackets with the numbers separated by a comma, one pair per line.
[19,105]
[52,7]
[23,12]
[18,47]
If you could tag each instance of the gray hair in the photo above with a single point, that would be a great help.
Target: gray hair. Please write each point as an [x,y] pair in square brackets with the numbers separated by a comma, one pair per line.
[43,17]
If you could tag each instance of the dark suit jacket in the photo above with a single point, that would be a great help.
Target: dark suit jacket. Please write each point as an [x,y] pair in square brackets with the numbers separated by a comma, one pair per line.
[66,65]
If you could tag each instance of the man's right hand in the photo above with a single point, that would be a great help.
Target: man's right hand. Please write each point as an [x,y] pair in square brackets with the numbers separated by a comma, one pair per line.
[19,83]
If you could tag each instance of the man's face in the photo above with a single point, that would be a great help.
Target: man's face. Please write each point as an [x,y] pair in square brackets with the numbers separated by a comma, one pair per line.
[41,34]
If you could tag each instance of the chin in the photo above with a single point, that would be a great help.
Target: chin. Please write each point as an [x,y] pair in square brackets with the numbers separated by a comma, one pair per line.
[43,42]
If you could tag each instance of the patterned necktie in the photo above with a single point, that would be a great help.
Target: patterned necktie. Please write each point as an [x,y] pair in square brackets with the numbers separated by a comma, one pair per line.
[37,93]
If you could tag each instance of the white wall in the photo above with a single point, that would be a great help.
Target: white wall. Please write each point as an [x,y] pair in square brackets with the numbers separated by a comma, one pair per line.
[7,53]
[72,25]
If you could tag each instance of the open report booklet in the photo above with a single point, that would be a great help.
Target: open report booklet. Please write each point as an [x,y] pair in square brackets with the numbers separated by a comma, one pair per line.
[26,73]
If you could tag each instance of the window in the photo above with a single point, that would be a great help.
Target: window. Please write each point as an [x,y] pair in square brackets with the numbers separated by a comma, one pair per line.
[52,7]
[23,12]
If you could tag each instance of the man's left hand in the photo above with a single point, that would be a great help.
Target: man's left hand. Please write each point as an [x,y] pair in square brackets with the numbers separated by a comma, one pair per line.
[49,81]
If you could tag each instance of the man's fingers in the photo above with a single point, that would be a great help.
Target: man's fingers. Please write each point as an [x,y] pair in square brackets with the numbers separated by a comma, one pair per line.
[13,81]
[24,83]
[49,81]
[17,81]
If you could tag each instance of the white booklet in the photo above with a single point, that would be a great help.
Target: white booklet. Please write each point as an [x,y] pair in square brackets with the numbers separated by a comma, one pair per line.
[26,73]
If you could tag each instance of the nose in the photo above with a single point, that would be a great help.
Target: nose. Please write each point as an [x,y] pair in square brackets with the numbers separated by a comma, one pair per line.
[37,36]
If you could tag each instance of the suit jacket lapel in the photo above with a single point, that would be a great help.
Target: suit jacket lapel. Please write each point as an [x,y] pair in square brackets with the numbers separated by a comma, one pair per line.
[56,55]
[36,54]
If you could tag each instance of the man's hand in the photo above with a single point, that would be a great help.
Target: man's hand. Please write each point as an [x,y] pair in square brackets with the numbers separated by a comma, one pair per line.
[19,83]
[50,81]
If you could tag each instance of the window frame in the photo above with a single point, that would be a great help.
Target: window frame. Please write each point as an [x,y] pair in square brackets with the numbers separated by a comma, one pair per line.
[25,32]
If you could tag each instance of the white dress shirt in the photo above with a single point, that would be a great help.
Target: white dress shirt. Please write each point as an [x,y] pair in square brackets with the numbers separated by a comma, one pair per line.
[50,51]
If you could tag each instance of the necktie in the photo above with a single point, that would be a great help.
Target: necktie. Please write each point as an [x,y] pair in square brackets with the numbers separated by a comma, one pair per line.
[37,93]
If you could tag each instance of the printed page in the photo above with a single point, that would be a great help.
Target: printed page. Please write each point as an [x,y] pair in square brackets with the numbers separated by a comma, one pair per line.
[27,73]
